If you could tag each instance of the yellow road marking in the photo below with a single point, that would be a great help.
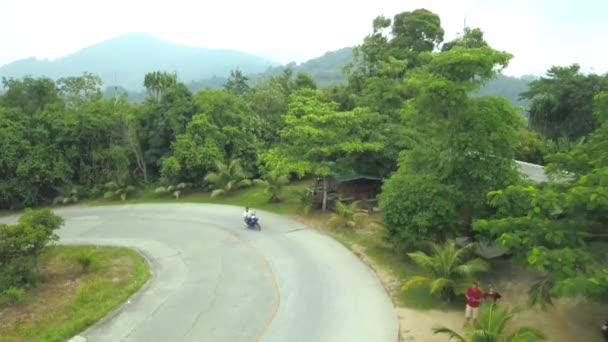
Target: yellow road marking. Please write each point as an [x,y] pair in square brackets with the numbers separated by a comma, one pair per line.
[275,286]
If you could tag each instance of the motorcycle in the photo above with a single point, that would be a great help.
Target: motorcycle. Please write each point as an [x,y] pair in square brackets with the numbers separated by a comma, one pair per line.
[253,222]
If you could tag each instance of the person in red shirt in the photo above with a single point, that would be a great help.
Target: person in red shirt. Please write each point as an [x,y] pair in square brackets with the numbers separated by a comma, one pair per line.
[492,295]
[474,296]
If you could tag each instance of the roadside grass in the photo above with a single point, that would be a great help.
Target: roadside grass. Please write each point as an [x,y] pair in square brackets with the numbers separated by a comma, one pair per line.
[78,286]
[391,266]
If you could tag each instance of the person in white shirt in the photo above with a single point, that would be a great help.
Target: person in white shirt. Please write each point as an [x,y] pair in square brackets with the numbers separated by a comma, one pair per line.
[246,214]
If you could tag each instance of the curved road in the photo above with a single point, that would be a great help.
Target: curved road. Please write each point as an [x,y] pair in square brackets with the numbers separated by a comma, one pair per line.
[213,280]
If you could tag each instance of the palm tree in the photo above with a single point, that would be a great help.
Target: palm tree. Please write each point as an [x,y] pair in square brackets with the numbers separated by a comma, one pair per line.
[158,82]
[447,273]
[227,177]
[490,327]
[347,215]
[274,183]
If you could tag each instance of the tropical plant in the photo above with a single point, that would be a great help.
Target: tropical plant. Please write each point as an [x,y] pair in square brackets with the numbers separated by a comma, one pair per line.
[347,216]
[67,197]
[175,190]
[491,327]
[274,183]
[227,177]
[447,274]
[305,200]
[115,189]
[158,82]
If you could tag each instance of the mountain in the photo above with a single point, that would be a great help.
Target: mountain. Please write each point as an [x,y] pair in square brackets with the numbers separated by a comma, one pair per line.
[509,87]
[124,60]
[327,70]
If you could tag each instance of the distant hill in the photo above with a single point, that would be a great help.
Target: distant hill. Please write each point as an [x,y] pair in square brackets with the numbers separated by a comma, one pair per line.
[124,60]
[327,70]
[509,87]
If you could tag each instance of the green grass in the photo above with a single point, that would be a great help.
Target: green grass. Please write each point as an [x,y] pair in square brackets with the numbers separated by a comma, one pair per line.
[399,265]
[254,197]
[65,311]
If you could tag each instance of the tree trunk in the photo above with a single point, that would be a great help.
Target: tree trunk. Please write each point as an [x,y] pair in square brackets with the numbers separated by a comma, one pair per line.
[324,205]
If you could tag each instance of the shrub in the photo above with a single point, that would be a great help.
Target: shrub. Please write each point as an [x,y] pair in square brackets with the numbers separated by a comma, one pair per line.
[87,260]
[170,169]
[417,208]
[347,216]
[21,244]
[14,295]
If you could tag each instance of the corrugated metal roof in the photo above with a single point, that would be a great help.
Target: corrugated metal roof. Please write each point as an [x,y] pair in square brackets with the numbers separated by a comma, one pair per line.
[350,176]
[533,172]
[537,173]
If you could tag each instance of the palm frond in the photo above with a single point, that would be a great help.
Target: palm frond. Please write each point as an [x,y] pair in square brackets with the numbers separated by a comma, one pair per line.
[220,167]
[422,260]
[111,185]
[540,293]
[217,192]
[480,335]
[471,267]
[213,178]
[439,284]
[242,183]
[260,182]
[415,281]
[451,333]
[527,334]
[493,318]
[161,190]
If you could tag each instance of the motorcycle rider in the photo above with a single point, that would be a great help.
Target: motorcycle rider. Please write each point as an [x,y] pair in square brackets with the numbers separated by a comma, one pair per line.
[247,214]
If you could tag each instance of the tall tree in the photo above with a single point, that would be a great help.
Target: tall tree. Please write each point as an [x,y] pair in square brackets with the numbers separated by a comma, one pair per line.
[29,94]
[237,83]
[317,139]
[562,102]
[463,146]
[158,82]
[79,89]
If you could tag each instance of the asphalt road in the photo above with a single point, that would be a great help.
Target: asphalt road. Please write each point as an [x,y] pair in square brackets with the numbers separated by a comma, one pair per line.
[213,280]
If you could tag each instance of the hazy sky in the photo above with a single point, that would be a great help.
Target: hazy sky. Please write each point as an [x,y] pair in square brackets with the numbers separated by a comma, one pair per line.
[539,33]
